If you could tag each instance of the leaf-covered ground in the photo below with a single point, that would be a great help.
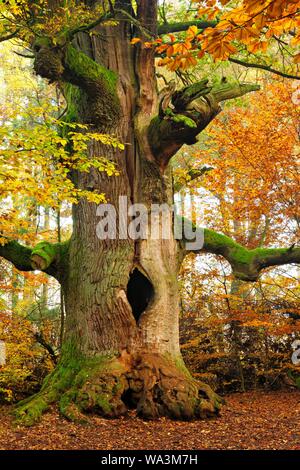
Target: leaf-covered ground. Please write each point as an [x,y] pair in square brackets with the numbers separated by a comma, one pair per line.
[248,421]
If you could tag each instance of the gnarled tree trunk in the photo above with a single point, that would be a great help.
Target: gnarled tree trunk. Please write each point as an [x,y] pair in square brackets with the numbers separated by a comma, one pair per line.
[121,344]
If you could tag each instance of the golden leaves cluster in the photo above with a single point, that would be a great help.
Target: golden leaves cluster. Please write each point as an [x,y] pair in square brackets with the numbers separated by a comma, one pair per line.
[32,18]
[177,53]
[249,25]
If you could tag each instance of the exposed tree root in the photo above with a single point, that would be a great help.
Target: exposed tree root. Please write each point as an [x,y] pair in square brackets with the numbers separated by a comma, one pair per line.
[161,387]
[152,384]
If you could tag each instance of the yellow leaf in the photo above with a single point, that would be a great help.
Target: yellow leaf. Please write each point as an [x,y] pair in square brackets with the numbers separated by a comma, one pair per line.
[191,32]
[297,58]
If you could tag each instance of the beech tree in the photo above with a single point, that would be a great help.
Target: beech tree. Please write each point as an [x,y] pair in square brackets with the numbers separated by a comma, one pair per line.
[121,341]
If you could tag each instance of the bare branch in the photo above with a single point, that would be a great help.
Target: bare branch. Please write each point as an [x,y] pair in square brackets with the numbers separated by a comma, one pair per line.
[166,28]
[88,27]
[41,340]
[268,68]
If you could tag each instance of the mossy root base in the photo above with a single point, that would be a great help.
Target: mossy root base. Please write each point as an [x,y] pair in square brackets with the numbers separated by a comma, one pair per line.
[150,383]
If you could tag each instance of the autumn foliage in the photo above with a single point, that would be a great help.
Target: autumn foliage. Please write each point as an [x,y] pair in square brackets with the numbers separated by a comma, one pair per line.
[249,30]
[250,193]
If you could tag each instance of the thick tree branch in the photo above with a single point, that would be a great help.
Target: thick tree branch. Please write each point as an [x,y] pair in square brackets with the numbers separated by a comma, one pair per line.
[17,254]
[45,256]
[166,28]
[246,264]
[190,110]
[95,84]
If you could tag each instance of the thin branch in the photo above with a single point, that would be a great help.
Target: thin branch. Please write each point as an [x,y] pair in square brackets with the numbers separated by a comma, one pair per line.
[193,173]
[41,340]
[110,16]
[263,67]
[166,28]
[9,36]
[90,26]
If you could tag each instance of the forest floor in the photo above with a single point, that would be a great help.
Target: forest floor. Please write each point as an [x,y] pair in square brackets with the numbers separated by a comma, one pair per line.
[252,420]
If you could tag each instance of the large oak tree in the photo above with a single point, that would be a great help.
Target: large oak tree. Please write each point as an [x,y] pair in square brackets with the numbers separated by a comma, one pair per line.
[121,342]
